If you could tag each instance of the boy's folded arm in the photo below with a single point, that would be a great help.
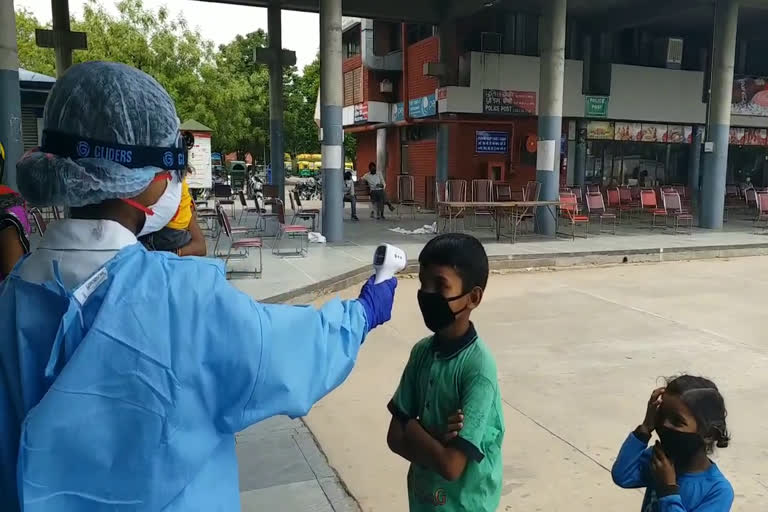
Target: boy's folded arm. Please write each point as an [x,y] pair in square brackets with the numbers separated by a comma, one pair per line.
[421,448]
[630,470]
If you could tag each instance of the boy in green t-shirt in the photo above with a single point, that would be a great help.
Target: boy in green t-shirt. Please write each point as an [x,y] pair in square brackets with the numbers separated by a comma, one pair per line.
[446,413]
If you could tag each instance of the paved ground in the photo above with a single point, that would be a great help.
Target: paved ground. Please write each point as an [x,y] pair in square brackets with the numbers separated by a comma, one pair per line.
[578,353]
[326,261]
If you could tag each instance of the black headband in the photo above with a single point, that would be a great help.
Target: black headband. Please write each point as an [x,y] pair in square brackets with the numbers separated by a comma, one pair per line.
[133,157]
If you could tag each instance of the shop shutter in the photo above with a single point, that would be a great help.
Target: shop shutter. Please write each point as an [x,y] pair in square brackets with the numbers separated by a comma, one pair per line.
[29,127]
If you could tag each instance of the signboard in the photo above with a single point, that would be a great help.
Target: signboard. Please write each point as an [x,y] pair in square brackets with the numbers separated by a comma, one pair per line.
[750,97]
[491,142]
[361,113]
[200,161]
[757,137]
[628,131]
[737,136]
[654,133]
[496,101]
[426,106]
[675,134]
[600,130]
[596,106]
[688,134]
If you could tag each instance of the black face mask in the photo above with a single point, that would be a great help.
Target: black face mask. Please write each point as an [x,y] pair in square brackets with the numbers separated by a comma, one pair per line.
[436,310]
[679,446]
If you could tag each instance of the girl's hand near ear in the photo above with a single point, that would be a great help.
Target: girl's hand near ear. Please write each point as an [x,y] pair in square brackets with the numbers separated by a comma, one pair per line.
[652,410]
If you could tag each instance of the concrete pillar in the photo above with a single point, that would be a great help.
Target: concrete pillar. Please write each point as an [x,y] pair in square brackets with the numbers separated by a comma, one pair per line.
[60,19]
[450,64]
[580,165]
[381,152]
[552,45]
[274,27]
[443,148]
[10,98]
[716,162]
[332,131]
[694,165]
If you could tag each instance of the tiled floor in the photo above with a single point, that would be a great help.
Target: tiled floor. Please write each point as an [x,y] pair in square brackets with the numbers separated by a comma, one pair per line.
[281,468]
[324,261]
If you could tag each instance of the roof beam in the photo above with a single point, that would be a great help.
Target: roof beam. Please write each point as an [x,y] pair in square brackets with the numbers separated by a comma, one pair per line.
[415,11]
[615,20]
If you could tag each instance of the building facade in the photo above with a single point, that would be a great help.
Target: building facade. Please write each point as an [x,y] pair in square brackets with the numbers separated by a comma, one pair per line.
[633,101]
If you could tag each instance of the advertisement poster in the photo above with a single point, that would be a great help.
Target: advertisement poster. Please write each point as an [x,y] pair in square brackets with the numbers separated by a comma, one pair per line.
[600,130]
[654,133]
[496,101]
[688,134]
[361,113]
[629,131]
[491,142]
[737,136]
[750,97]
[757,137]
[200,160]
[675,134]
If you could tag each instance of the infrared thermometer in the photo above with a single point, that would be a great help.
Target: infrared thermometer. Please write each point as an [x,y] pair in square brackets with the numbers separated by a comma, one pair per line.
[388,260]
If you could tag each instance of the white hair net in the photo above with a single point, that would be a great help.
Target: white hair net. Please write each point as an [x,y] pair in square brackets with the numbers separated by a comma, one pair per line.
[108,102]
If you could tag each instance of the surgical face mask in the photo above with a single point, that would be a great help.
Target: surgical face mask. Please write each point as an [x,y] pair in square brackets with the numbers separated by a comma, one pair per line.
[679,446]
[436,310]
[164,209]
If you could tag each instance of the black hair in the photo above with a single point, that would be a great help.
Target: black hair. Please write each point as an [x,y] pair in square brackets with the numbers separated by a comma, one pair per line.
[464,253]
[348,175]
[372,164]
[706,404]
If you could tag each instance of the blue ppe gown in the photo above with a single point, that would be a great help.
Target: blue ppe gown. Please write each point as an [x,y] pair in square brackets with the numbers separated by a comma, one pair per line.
[125,394]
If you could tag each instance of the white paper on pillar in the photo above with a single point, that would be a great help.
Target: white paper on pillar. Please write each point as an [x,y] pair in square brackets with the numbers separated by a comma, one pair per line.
[545,155]
[332,157]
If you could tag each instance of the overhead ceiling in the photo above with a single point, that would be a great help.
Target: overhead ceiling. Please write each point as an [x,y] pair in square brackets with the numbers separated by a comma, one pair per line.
[600,15]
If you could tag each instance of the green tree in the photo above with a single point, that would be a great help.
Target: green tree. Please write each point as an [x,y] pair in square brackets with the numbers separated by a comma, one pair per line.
[32,57]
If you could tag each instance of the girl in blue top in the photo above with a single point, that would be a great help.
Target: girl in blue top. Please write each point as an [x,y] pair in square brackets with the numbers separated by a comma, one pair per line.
[688,416]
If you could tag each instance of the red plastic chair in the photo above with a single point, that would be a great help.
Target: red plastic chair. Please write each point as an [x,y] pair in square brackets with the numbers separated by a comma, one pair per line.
[569,210]
[244,245]
[291,231]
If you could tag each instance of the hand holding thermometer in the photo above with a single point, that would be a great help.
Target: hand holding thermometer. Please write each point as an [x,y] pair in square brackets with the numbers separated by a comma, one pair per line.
[388,260]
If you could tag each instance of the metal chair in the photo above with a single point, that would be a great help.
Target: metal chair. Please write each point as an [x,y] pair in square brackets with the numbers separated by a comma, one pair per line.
[244,245]
[569,211]
[596,208]
[298,214]
[291,231]
[673,205]
[247,210]
[39,221]
[223,194]
[482,192]
[406,195]
[649,204]
[307,211]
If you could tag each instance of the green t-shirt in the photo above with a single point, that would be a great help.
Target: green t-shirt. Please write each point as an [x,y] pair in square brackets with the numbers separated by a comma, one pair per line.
[438,380]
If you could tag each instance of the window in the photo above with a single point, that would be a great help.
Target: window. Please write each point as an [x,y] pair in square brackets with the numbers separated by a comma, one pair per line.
[351,42]
[353,87]
[419,32]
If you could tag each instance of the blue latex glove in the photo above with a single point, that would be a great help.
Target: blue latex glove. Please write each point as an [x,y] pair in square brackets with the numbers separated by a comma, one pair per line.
[377,301]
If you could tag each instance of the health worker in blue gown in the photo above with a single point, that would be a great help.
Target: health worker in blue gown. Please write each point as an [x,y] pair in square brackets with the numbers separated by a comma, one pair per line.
[124,374]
